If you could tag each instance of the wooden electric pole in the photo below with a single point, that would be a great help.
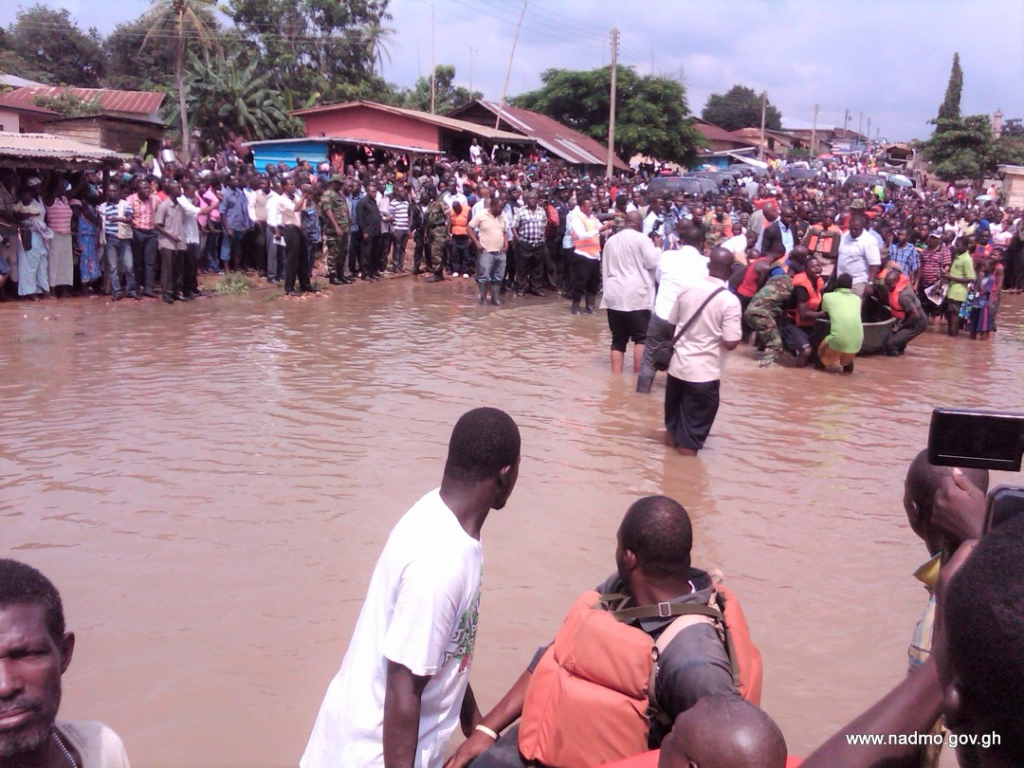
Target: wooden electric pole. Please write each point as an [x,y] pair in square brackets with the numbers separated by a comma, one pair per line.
[508,72]
[611,106]
[433,83]
[764,105]
[814,130]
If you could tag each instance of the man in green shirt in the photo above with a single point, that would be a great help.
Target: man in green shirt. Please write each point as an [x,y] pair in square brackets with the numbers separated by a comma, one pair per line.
[847,333]
[960,275]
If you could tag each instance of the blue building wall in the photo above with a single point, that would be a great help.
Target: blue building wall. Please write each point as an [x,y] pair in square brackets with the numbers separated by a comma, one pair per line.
[285,152]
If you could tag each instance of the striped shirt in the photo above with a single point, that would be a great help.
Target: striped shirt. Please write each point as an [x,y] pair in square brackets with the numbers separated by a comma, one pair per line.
[113,228]
[143,210]
[400,214]
[932,263]
[58,216]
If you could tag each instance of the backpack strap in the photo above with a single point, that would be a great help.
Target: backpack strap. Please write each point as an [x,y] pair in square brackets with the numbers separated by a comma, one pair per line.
[669,610]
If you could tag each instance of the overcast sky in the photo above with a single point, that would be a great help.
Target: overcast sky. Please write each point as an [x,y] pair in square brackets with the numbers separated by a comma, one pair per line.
[887,59]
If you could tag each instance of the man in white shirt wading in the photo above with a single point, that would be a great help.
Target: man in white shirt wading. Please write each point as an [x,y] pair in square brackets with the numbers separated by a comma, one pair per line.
[399,694]
[685,265]
[628,263]
[712,313]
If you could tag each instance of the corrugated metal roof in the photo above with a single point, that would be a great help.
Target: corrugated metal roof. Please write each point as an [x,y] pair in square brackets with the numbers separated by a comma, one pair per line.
[440,120]
[570,145]
[124,102]
[339,140]
[714,133]
[45,146]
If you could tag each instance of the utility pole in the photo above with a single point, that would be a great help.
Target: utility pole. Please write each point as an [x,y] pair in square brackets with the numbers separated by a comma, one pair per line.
[508,72]
[433,84]
[764,105]
[860,126]
[652,58]
[814,130]
[868,134]
[846,121]
[611,107]
[471,71]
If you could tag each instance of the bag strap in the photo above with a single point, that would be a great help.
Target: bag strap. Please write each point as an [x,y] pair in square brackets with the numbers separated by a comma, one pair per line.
[695,315]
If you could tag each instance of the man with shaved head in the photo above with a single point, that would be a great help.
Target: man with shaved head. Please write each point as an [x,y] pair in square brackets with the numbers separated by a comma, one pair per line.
[707,318]
[723,731]
[628,264]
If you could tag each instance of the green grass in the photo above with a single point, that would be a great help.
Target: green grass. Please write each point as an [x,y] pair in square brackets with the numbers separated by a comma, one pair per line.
[233,284]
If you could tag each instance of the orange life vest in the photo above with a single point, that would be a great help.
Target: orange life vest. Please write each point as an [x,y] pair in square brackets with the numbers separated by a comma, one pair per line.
[591,244]
[894,298]
[823,242]
[588,699]
[803,280]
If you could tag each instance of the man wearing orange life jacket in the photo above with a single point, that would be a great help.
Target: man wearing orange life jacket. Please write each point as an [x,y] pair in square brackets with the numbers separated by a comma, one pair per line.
[585,267]
[654,573]
[911,320]
[803,310]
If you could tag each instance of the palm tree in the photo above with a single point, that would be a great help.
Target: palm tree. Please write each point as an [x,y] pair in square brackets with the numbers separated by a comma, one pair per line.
[181,19]
[378,43]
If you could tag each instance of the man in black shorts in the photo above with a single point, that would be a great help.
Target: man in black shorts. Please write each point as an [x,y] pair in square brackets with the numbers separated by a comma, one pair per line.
[627,264]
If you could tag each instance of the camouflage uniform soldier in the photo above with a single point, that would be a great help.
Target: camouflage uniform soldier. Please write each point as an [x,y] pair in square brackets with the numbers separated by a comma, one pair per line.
[437,226]
[763,314]
[335,224]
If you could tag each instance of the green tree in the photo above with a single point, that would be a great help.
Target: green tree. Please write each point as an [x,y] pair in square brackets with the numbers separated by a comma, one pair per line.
[181,21]
[447,95]
[133,66]
[950,107]
[740,107]
[316,47]
[962,148]
[225,95]
[47,45]
[378,41]
[651,112]
[1013,127]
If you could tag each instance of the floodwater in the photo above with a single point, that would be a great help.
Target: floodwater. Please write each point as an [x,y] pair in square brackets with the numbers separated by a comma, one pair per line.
[210,484]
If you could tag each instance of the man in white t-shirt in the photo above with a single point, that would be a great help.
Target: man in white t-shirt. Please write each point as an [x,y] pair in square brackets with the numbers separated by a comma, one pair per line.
[859,256]
[677,268]
[35,652]
[399,693]
[709,318]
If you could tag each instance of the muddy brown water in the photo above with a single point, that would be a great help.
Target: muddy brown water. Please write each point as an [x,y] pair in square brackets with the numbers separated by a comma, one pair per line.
[210,484]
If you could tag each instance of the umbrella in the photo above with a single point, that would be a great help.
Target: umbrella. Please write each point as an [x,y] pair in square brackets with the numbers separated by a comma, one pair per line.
[900,181]
[985,198]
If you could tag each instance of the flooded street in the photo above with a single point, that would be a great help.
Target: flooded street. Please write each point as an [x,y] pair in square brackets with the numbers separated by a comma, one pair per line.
[209,485]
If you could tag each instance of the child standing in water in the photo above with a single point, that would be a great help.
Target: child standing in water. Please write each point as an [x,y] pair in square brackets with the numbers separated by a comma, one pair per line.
[960,275]
[981,305]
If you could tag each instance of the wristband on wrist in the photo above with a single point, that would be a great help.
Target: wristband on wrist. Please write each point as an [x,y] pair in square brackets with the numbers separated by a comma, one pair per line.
[485,730]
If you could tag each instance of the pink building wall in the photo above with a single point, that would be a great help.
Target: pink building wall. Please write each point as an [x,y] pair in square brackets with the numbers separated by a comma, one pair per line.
[373,125]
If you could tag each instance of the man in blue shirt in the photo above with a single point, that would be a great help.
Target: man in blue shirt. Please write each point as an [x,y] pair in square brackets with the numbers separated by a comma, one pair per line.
[903,253]
[234,216]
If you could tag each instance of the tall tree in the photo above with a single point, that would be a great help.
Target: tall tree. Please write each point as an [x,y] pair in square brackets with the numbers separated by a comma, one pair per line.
[950,107]
[46,44]
[315,48]
[225,95]
[740,107]
[378,41]
[182,21]
[448,96]
[962,148]
[651,112]
[133,66]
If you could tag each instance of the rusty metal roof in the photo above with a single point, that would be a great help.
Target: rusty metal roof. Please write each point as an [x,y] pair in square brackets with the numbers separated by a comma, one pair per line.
[562,141]
[23,148]
[133,103]
[450,123]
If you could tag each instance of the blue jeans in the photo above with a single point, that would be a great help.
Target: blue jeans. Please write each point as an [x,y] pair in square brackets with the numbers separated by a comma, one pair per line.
[490,266]
[230,244]
[119,258]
